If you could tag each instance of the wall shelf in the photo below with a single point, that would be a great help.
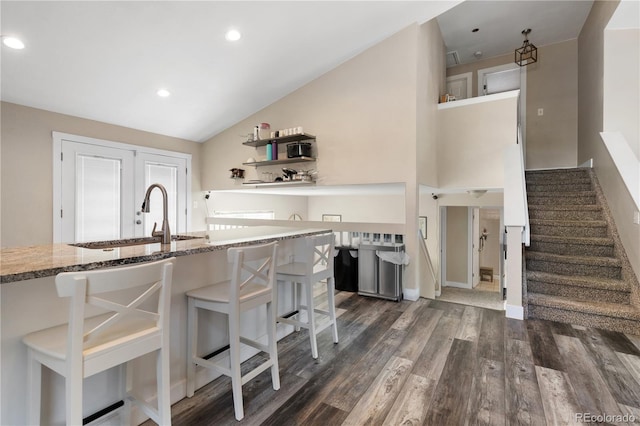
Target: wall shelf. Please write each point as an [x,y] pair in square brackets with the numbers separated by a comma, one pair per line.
[278,184]
[283,161]
[292,138]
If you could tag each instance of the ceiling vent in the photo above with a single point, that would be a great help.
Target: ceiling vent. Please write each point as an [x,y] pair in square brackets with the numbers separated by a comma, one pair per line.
[452,58]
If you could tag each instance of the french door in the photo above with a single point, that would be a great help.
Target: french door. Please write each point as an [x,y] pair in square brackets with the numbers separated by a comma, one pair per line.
[99,187]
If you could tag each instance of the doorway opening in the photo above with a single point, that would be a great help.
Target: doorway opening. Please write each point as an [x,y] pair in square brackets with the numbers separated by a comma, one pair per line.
[472,253]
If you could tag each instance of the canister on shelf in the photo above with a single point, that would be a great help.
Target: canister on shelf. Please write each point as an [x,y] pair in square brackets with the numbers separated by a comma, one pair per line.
[269,152]
[264,131]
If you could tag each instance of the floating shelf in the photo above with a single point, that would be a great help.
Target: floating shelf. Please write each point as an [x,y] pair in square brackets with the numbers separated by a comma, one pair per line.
[283,161]
[292,138]
[277,184]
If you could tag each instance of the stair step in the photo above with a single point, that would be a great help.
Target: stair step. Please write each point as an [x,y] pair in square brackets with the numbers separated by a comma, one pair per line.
[556,175]
[569,228]
[562,198]
[601,267]
[610,316]
[562,212]
[563,186]
[578,287]
[575,246]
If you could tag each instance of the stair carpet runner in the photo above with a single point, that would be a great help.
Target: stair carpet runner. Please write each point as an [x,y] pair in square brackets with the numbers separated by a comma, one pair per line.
[573,272]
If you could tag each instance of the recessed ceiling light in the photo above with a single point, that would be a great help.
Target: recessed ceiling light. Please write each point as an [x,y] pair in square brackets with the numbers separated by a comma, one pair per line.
[233,35]
[13,42]
[163,93]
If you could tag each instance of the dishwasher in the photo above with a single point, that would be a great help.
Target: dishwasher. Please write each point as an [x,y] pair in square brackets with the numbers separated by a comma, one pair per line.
[378,277]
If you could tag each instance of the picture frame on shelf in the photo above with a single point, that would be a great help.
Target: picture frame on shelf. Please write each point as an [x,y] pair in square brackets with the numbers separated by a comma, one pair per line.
[422,226]
[332,218]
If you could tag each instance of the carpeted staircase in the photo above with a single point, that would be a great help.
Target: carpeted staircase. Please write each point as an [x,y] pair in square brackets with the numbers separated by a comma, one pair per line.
[576,269]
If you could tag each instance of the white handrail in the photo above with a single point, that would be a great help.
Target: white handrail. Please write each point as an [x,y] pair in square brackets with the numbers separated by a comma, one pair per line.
[427,258]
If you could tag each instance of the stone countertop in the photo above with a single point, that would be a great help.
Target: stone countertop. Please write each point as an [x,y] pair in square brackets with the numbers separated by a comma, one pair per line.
[24,263]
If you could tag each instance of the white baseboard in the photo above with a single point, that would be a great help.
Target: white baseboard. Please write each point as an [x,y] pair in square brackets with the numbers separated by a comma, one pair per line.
[457,285]
[515,312]
[588,163]
[412,294]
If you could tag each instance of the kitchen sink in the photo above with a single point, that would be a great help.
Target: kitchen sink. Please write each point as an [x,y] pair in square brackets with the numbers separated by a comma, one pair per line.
[130,242]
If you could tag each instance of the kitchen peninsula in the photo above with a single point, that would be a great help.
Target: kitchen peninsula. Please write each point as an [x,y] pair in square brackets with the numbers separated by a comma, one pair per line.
[29,302]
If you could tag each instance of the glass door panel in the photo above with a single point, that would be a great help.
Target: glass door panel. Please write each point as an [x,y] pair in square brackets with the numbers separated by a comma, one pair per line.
[98,195]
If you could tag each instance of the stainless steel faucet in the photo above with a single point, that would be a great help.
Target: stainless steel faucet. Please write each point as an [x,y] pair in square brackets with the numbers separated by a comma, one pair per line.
[165,233]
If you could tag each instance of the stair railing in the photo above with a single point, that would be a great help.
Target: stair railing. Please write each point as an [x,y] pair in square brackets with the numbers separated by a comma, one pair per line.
[432,281]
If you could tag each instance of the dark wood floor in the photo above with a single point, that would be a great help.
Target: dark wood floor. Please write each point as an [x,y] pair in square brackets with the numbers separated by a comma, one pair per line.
[435,363]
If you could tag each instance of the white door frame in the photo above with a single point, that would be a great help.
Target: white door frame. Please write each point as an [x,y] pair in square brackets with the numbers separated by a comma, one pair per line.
[58,137]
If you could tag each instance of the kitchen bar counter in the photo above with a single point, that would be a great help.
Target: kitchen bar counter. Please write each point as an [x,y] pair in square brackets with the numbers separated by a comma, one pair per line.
[24,263]
[29,302]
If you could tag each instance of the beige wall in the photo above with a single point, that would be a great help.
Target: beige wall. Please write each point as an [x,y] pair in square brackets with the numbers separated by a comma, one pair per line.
[552,84]
[590,124]
[551,139]
[359,208]
[363,113]
[471,142]
[431,84]
[621,81]
[27,170]
[457,244]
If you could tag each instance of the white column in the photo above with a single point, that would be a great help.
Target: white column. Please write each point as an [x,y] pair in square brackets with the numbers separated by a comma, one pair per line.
[514,273]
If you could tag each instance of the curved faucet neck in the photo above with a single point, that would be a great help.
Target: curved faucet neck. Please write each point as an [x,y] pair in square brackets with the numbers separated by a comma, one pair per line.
[165,233]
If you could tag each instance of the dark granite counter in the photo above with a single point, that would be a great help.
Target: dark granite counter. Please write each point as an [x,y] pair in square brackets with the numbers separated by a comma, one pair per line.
[24,263]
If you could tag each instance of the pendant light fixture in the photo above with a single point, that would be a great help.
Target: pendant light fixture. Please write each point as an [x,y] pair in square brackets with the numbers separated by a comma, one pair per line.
[528,53]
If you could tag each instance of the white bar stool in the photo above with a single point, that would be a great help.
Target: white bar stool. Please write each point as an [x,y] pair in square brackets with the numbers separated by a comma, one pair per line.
[251,285]
[86,346]
[316,265]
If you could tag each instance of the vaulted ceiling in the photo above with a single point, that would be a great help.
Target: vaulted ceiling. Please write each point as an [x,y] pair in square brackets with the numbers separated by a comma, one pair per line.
[106,60]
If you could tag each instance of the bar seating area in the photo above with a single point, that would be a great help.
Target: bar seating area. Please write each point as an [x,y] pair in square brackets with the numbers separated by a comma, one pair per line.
[252,285]
[314,265]
[84,347]
[117,314]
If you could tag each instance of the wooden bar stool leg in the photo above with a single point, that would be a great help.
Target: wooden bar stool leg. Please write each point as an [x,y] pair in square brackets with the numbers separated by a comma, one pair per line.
[34,389]
[234,359]
[73,384]
[192,341]
[273,345]
[297,294]
[332,307]
[164,386]
[311,320]
[126,384]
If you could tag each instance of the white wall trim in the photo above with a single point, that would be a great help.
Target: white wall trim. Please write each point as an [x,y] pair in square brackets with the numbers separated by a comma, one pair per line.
[412,294]
[514,312]
[457,285]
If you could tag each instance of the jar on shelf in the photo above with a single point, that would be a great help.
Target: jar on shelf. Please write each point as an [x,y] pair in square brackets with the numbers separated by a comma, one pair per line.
[264,131]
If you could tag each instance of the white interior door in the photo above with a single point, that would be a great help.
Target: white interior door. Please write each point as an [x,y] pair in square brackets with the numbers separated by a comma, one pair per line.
[170,172]
[96,202]
[459,85]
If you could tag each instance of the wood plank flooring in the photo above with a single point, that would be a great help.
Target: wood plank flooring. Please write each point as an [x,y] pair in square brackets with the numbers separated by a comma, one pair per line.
[435,363]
